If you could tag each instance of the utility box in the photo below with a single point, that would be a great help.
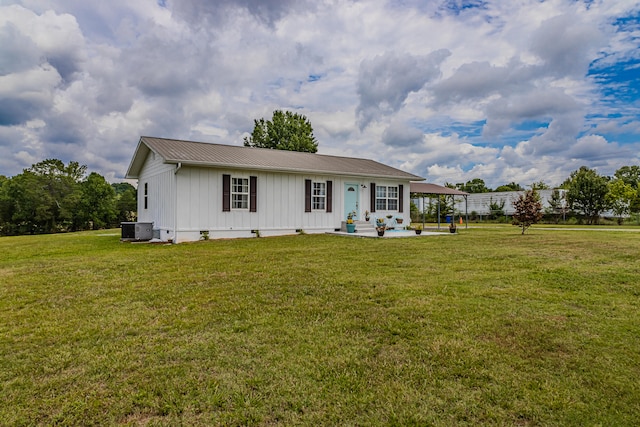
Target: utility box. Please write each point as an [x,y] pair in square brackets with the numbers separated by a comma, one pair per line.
[136,230]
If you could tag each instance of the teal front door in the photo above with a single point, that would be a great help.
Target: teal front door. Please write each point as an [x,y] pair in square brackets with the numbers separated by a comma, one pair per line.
[351,200]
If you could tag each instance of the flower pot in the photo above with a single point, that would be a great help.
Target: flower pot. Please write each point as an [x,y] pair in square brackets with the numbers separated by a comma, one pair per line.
[380,233]
[399,220]
[452,230]
[418,232]
[351,228]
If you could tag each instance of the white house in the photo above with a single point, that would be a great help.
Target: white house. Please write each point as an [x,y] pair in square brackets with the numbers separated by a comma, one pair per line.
[189,189]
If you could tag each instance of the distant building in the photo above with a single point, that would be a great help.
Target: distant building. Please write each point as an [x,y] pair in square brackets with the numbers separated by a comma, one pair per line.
[480,202]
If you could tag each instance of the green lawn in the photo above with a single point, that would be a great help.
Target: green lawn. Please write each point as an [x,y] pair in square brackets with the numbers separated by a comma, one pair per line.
[483,327]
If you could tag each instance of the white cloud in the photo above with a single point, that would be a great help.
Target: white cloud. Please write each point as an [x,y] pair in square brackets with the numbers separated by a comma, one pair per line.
[498,91]
[384,82]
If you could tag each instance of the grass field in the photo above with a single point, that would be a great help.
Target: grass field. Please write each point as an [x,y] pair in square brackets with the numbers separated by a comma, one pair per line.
[486,327]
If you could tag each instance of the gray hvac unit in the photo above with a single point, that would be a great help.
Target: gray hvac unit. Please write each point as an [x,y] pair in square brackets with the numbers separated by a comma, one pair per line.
[144,230]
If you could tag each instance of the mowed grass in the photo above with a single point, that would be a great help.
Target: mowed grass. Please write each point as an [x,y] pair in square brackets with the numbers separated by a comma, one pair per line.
[486,327]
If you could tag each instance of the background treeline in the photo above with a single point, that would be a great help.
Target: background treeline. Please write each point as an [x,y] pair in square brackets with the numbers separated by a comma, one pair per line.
[52,197]
[587,196]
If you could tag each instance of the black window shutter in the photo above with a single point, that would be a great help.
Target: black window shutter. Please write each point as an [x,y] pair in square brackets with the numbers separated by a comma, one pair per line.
[307,195]
[253,194]
[373,196]
[226,193]
[329,196]
[400,198]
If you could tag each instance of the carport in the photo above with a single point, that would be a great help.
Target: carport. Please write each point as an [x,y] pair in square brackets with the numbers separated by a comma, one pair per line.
[422,189]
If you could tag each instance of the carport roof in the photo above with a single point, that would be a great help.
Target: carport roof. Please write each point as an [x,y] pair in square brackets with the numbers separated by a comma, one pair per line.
[426,188]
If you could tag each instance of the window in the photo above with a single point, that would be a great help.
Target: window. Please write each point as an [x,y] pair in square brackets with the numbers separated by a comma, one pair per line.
[318,196]
[386,198]
[318,200]
[240,193]
[381,198]
[392,201]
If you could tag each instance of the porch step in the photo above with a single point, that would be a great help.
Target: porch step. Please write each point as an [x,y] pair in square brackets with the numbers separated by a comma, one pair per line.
[364,225]
[361,226]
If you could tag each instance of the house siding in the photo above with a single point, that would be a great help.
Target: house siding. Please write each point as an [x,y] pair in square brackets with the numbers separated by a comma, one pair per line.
[280,203]
[160,181]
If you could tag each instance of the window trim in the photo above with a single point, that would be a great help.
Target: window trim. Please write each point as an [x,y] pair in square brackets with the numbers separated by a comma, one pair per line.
[308,195]
[233,192]
[318,201]
[384,200]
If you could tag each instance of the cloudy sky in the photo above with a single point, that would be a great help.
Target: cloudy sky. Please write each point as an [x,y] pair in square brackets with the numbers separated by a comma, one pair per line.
[451,90]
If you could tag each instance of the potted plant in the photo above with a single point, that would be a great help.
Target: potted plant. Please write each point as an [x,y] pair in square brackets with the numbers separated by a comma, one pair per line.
[399,220]
[380,226]
[390,226]
[452,227]
[418,229]
[351,226]
[366,216]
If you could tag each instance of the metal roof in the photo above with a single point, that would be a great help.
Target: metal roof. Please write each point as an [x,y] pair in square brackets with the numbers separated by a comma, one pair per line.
[230,156]
[426,188]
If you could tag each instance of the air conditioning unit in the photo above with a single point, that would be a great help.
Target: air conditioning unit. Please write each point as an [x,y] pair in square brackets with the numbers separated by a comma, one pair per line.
[144,230]
[136,230]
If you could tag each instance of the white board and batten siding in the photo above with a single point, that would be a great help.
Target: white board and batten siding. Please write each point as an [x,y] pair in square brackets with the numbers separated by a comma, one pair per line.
[158,179]
[280,204]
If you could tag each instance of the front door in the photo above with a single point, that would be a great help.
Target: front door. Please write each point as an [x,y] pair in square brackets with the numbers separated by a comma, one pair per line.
[351,200]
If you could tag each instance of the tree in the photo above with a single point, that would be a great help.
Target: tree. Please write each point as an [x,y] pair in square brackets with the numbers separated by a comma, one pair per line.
[620,197]
[631,175]
[556,206]
[286,131]
[59,183]
[97,205]
[6,205]
[126,201]
[512,186]
[586,193]
[528,209]
[127,205]
[51,197]
[30,206]
[496,208]
[122,187]
[476,185]
[540,185]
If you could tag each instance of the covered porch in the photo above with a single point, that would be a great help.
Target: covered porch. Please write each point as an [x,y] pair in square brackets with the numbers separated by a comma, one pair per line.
[421,190]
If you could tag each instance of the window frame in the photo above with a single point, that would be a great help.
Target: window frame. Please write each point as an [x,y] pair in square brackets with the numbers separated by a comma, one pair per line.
[244,195]
[318,196]
[386,196]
